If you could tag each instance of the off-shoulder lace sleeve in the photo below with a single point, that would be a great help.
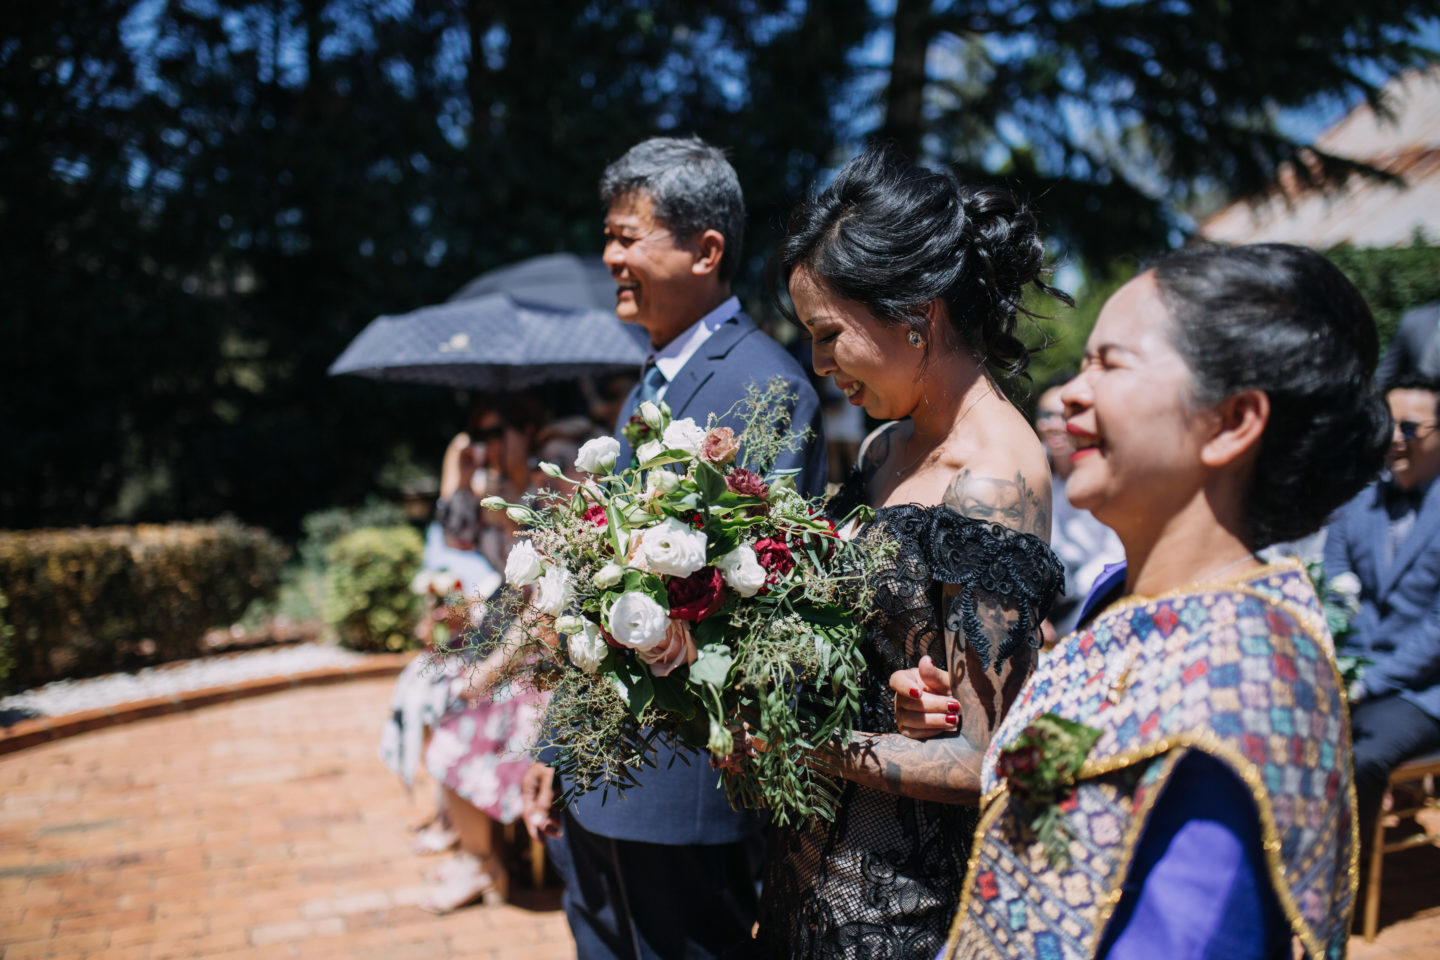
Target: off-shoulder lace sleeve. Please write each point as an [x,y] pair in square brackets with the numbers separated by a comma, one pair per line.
[987,560]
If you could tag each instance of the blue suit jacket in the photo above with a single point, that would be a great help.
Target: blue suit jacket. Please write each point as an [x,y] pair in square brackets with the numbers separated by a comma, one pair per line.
[1398,626]
[676,802]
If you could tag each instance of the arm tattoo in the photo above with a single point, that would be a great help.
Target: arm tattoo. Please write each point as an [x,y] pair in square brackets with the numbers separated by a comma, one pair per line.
[944,769]
[1009,502]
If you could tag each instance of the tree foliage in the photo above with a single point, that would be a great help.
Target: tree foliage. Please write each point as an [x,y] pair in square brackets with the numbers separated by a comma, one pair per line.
[202,201]
[1112,115]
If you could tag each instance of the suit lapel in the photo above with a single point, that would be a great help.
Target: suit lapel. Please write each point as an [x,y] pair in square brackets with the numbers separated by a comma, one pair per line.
[701,367]
[1421,535]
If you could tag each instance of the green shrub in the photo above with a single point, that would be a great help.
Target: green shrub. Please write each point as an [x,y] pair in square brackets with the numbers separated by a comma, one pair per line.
[85,600]
[1391,280]
[7,662]
[323,527]
[367,580]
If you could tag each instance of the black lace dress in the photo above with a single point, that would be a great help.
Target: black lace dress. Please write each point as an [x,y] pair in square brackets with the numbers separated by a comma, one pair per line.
[883,881]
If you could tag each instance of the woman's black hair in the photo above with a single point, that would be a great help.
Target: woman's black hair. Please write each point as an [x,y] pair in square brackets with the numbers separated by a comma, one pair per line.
[1284,320]
[893,237]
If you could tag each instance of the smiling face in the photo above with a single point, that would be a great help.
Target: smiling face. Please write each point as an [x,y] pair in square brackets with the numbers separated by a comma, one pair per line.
[1050,424]
[656,285]
[1138,441]
[873,363]
[1413,460]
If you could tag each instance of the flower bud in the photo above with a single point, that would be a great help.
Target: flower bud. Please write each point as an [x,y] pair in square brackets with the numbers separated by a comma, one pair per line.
[494,503]
[551,469]
[609,575]
[652,416]
[518,514]
[569,624]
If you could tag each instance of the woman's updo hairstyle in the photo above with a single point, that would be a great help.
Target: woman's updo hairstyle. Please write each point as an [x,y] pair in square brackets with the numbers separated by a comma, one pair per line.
[893,236]
[1284,320]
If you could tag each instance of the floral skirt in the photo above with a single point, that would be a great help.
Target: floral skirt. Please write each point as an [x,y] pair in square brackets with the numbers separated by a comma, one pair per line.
[481,750]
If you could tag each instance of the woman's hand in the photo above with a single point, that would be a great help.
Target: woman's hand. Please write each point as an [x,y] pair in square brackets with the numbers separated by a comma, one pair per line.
[924,707]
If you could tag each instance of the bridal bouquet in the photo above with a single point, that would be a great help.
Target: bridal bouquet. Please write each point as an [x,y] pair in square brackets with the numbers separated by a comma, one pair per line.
[684,595]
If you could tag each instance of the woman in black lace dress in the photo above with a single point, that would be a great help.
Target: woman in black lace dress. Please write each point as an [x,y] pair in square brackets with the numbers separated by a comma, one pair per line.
[909,285]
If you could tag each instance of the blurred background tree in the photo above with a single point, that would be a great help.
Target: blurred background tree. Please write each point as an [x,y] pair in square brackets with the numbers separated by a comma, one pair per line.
[204,200]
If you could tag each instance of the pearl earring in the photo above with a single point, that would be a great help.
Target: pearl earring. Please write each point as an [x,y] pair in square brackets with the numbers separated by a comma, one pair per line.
[916,340]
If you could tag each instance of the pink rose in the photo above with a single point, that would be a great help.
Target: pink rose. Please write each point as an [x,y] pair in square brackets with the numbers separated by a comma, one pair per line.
[697,596]
[678,648]
[746,483]
[720,445]
[596,514]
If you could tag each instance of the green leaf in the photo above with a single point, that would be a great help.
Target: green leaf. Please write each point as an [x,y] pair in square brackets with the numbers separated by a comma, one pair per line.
[713,666]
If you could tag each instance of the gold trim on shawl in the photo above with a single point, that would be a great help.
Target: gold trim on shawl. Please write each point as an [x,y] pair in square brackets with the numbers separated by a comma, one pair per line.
[996,803]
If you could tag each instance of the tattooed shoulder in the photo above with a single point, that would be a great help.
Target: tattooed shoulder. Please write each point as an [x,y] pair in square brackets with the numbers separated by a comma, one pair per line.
[1014,503]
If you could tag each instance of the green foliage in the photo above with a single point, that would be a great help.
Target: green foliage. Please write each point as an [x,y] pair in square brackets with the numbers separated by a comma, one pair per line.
[219,196]
[1108,115]
[88,600]
[7,633]
[367,579]
[1392,280]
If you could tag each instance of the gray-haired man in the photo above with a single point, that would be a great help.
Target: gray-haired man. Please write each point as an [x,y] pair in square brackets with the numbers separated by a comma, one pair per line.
[669,870]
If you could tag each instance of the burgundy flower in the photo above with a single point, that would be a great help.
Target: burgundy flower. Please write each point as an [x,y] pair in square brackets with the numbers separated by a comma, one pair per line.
[596,515]
[746,483]
[697,596]
[775,557]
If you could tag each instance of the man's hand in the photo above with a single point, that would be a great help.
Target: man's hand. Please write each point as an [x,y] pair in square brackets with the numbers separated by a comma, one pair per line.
[924,707]
[537,792]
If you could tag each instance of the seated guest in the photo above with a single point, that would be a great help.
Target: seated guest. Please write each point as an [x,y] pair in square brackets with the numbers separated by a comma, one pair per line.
[1389,538]
[1084,545]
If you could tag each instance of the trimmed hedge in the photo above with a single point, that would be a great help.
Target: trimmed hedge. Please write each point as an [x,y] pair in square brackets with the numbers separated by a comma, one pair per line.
[368,599]
[84,601]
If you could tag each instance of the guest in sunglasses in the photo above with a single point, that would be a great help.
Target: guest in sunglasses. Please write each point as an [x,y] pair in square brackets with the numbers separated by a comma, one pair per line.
[1389,539]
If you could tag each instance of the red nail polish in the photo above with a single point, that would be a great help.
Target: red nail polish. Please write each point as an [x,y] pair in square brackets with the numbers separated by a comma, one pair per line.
[952,707]
[914,694]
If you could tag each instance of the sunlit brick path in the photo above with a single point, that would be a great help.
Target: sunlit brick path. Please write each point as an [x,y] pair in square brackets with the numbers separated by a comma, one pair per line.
[262,828]
[266,828]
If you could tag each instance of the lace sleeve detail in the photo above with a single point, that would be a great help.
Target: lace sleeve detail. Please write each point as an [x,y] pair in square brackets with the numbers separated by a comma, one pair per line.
[985,559]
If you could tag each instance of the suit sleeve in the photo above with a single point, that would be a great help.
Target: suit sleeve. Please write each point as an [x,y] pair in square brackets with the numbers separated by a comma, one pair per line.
[1415,662]
[809,457]
[1336,558]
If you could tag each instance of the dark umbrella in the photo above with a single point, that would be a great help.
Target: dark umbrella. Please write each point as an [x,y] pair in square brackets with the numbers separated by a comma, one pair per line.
[541,329]
[558,280]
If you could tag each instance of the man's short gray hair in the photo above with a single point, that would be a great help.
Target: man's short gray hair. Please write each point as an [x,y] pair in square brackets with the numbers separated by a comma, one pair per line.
[692,185]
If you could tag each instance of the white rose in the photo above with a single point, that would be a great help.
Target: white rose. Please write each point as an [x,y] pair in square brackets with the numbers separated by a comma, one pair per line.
[637,621]
[569,625]
[661,481]
[742,572]
[587,648]
[598,455]
[554,592]
[1346,585]
[523,566]
[671,547]
[650,413]
[684,435]
[648,451]
[609,575]
[421,583]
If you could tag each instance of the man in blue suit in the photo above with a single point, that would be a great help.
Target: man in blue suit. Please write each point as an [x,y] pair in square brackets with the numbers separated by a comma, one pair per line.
[1389,538]
[668,870]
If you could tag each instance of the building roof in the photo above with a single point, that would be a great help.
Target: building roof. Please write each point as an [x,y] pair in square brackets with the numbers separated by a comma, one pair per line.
[1364,211]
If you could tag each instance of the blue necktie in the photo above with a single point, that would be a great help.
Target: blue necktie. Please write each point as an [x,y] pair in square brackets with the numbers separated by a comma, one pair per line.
[650,383]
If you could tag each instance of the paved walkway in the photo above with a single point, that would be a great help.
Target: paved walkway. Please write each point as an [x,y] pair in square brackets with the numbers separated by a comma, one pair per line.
[266,828]
[261,828]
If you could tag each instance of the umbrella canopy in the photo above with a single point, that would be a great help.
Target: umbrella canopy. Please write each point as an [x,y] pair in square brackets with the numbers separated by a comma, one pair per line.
[557,280]
[492,341]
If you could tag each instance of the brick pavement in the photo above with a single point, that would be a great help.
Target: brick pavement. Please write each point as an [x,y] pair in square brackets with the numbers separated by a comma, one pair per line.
[262,828]
[266,828]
